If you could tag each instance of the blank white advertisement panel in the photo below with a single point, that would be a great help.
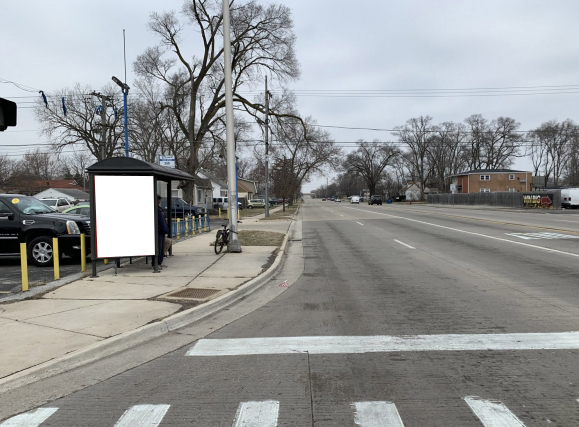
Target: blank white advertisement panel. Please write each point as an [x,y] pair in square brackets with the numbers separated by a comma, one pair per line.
[125,215]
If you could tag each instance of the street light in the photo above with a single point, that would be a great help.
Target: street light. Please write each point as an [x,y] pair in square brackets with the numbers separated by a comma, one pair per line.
[125,88]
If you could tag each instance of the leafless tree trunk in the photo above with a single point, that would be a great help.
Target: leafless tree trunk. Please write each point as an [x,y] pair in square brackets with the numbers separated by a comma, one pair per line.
[262,42]
[417,136]
[370,160]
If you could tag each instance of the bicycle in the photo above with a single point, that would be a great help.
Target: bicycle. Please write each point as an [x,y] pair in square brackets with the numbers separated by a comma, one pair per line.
[222,238]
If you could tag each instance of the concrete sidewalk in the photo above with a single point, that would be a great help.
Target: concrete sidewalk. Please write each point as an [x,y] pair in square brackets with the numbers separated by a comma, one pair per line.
[90,311]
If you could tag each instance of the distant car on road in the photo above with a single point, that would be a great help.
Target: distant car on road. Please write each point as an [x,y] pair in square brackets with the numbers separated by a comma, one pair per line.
[375,200]
[323,199]
[355,199]
[338,200]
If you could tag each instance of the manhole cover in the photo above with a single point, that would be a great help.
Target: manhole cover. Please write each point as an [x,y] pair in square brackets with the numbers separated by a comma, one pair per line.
[193,293]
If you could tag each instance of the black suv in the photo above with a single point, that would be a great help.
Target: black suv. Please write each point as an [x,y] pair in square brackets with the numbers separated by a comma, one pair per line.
[181,209]
[375,200]
[24,219]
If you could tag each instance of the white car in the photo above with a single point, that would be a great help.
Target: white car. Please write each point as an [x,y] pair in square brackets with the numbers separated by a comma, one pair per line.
[355,199]
[338,200]
[58,204]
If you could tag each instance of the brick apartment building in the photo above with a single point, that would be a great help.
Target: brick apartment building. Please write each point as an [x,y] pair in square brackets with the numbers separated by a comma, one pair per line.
[492,180]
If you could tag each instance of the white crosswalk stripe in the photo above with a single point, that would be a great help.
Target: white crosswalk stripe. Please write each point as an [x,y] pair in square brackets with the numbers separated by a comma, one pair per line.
[257,414]
[143,416]
[30,419]
[543,235]
[384,343]
[492,413]
[377,414]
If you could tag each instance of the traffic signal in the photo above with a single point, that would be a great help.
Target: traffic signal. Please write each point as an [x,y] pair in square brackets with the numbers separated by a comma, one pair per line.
[7,114]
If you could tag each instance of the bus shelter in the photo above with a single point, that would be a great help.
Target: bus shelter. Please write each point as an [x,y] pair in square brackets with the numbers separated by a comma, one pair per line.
[123,207]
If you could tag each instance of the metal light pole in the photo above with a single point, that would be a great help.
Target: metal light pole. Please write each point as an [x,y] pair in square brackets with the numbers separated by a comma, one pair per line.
[266,150]
[234,245]
[125,88]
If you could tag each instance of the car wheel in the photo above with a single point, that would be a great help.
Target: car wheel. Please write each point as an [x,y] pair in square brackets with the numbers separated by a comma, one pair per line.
[40,251]
[250,207]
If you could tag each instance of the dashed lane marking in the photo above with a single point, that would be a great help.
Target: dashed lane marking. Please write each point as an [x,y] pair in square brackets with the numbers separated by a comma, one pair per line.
[492,413]
[377,414]
[472,233]
[402,243]
[385,343]
[359,223]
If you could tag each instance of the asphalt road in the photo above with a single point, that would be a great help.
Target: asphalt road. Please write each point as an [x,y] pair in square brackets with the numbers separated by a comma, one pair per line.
[413,315]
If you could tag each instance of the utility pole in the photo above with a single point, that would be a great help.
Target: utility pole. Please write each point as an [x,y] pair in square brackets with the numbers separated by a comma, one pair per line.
[266,150]
[103,131]
[234,244]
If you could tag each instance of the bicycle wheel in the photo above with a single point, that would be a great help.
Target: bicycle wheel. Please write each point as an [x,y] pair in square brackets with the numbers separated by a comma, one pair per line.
[219,242]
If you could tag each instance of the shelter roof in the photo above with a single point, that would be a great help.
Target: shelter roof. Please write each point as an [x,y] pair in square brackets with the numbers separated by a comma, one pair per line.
[131,166]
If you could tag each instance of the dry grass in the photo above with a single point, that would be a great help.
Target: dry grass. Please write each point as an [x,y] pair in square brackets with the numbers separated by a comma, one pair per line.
[260,238]
[289,211]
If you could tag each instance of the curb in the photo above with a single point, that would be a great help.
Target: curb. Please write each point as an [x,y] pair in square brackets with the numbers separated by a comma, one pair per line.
[118,343]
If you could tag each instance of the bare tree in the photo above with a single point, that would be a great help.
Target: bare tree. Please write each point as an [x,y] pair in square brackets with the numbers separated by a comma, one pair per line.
[557,140]
[447,152]
[370,160]
[82,124]
[417,135]
[7,169]
[262,42]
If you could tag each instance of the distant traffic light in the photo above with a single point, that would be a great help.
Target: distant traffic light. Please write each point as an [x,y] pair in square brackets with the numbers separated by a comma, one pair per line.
[7,114]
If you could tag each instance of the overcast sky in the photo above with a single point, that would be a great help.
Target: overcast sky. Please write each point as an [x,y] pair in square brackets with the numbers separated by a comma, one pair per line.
[366,45]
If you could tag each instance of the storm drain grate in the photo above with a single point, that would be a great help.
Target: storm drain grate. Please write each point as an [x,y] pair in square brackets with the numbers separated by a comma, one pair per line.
[193,293]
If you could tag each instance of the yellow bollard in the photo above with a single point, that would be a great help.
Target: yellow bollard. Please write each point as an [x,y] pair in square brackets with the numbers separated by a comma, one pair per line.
[82,253]
[227,213]
[24,266]
[219,213]
[106,261]
[193,225]
[178,229]
[55,258]
[238,214]
[186,228]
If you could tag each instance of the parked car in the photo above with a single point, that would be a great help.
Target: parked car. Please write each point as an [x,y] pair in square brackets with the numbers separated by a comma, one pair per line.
[323,199]
[80,209]
[59,204]
[25,219]
[355,199]
[337,199]
[375,200]
[570,198]
[181,209]
[223,203]
[256,203]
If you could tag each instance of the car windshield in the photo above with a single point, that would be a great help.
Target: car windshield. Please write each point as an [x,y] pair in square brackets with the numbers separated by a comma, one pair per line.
[49,202]
[31,206]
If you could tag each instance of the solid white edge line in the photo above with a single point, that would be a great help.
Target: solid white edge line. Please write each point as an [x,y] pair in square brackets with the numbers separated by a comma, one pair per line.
[492,413]
[377,414]
[385,343]
[359,223]
[30,419]
[254,414]
[402,243]
[143,416]
[471,233]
